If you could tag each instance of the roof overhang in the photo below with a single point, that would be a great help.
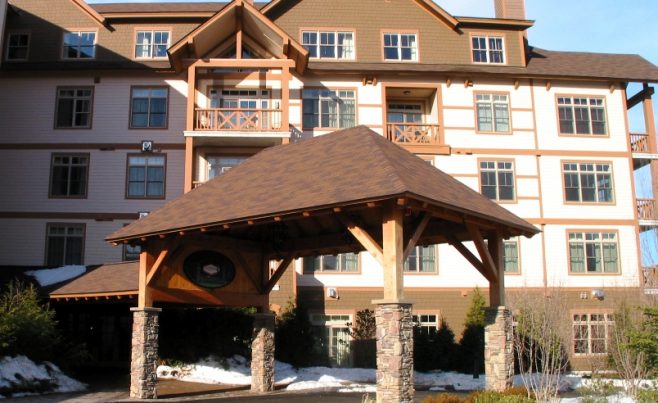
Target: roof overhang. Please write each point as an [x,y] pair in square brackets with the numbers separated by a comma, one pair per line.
[469,22]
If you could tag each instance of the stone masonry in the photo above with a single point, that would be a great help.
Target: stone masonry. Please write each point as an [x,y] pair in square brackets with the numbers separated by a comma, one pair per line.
[395,353]
[262,353]
[144,361]
[498,348]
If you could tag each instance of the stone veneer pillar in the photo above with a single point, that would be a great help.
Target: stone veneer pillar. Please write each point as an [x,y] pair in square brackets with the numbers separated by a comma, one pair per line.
[498,348]
[144,360]
[262,353]
[395,353]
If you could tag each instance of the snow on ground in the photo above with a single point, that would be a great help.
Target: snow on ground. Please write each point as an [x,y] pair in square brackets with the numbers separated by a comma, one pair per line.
[14,370]
[47,277]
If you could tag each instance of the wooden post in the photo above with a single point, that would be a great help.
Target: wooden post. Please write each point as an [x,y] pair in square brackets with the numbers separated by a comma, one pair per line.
[650,127]
[189,141]
[393,248]
[285,98]
[144,299]
[497,287]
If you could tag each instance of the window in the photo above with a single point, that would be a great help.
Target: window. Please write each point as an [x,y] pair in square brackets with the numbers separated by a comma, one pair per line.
[68,175]
[64,244]
[592,332]
[587,182]
[220,165]
[401,47]
[329,44]
[148,107]
[131,252]
[73,108]
[511,256]
[17,46]
[488,49]
[333,334]
[422,259]
[332,109]
[593,252]
[146,176]
[581,115]
[343,262]
[497,180]
[79,45]
[427,324]
[151,44]
[492,112]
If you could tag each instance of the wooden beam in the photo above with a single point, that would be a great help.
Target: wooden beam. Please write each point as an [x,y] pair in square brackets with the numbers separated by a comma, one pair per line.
[472,259]
[481,247]
[278,273]
[639,97]
[364,238]
[245,63]
[497,287]
[393,262]
[144,299]
[416,235]
[243,263]
[156,266]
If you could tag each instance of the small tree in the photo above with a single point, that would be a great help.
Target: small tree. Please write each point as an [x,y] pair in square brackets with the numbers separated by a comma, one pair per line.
[645,339]
[364,344]
[471,345]
[295,340]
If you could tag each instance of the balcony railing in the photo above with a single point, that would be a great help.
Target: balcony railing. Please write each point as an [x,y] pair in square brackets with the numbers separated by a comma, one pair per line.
[646,209]
[650,277]
[640,143]
[414,133]
[247,120]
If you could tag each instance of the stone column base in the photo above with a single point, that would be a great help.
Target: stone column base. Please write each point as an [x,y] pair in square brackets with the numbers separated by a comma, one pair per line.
[395,353]
[144,360]
[262,353]
[498,348]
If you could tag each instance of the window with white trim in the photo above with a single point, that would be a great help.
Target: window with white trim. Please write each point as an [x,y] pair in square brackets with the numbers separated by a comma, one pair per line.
[401,47]
[582,115]
[592,332]
[74,108]
[330,109]
[151,44]
[79,45]
[148,107]
[511,255]
[426,323]
[587,182]
[338,45]
[492,112]
[146,176]
[64,244]
[333,333]
[17,46]
[593,252]
[497,180]
[340,263]
[422,259]
[68,175]
[488,49]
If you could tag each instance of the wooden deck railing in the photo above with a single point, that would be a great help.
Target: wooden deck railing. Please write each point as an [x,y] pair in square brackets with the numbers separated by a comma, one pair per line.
[646,209]
[639,142]
[251,120]
[414,133]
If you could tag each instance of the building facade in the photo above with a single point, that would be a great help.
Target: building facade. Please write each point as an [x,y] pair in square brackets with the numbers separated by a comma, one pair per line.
[140,103]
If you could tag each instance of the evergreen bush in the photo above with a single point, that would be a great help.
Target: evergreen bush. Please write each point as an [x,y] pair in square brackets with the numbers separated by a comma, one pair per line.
[471,345]
[434,350]
[296,343]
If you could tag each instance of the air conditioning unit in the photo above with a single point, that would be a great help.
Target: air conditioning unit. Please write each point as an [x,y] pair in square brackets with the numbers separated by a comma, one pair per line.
[598,294]
[332,293]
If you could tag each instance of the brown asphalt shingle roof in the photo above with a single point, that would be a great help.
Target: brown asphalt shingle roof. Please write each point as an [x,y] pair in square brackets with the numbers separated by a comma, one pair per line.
[346,167]
[108,278]
[181,7]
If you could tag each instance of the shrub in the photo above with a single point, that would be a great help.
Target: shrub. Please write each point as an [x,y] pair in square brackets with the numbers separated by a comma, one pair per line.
[645,340]
[364,344]
[443,398]
[471,345]
[296,343]
[490,396]
[435,350]
[647,396]
[27,327]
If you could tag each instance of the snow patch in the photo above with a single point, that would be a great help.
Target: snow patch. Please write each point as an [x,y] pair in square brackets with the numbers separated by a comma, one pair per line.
[48,277]
[13,370]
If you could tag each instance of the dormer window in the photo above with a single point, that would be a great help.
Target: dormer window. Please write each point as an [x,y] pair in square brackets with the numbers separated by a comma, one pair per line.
[400,47]
[337,45]
[488,49]
[151,44]
[79,45]
[17,46]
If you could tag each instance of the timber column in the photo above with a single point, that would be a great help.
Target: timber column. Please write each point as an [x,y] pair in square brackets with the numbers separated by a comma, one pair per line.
[144,361]
[262,353]
[498,354]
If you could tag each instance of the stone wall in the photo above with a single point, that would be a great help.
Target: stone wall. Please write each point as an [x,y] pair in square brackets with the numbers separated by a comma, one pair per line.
[498,348]
[144,361]
[262,354]
[395,353]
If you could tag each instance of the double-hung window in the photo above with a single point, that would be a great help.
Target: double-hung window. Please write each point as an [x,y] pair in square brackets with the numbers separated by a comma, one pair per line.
[151,44]
[17,46]
[400,47]
[497,180]
[488,49]
[582,115]
[146,176]
[79,45]
[426,323]
[73,108]
[332,109]
[592,332]
[492,112]
[422,259]
[68,175]
[148,107]
[64,244]
[593,252]
[337,45]
[511,255]
[587,182]
[341,263]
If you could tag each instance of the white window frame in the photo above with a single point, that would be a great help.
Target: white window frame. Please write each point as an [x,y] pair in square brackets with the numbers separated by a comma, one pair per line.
[330,322]
[591,249]
[585,107]
[11,46]
[583,324]
[601,182]
[79,55]
[426,322]
[342,100]
[419,258]
[150,43]
[398,37]
[316,264]
[490,52]
[315,48]
[493,103]
[498,168]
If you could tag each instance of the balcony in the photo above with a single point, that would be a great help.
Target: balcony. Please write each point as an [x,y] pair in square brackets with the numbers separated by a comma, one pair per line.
[641,150]
[238,123]
[423,138]
[646,214]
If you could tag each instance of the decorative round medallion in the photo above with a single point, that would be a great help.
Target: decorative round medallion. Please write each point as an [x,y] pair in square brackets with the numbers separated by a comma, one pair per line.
[209,269]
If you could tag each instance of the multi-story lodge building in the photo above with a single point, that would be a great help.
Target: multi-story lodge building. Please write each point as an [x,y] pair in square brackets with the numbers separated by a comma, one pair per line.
[108,111]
